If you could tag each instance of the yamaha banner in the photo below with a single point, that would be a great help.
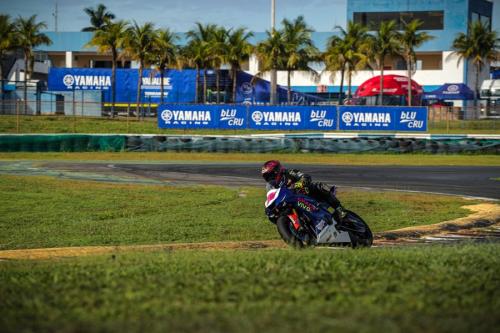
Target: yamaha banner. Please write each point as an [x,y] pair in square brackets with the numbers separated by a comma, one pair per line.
[292,117]
[202,116]
[382,118]
[178,86]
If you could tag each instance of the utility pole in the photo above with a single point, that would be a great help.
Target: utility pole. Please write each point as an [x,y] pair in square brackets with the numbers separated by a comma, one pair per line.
[55,18]
[274,77]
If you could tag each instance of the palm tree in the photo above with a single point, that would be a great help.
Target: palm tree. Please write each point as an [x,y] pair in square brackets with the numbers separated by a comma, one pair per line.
[139,46]
[355,47]
[218,53]
[271,53]
[335,60]
[385,42]
[99,17]
[28,37]
[238,50]
[480,45]
[111,40]
[7,43]
[198,52]
[164,54]
[411,39]
[300,49]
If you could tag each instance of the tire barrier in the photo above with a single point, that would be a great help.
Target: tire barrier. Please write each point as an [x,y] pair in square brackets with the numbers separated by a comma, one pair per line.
[61,143]
[261,143]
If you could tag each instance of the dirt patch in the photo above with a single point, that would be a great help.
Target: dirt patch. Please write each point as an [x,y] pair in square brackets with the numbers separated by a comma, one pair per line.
[484,215]
[61,252]
[474,226]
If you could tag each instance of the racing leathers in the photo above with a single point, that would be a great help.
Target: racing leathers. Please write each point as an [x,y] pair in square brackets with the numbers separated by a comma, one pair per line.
[302,183]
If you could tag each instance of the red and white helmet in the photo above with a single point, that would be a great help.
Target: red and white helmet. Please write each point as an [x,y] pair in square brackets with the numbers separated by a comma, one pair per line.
[273,173]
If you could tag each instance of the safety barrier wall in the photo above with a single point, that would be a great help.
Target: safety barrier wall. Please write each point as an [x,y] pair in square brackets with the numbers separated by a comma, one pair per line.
[297,143]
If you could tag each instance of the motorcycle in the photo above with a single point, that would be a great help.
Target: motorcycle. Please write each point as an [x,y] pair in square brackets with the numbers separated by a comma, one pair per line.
[304,222]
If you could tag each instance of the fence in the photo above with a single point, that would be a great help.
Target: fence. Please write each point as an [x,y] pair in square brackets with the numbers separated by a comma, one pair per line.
[78,113]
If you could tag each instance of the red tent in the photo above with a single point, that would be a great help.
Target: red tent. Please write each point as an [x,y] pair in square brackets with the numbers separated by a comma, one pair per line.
[393,85]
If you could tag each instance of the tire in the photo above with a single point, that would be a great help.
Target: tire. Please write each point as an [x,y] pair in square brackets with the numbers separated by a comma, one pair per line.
[359,231]
[284,226]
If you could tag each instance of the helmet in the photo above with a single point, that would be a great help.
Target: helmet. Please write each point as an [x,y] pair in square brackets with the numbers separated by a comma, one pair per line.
[273,173]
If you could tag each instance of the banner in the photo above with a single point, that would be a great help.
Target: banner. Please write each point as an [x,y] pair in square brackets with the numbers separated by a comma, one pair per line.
[383,118]
[202,116]
[178,86]
[292,117]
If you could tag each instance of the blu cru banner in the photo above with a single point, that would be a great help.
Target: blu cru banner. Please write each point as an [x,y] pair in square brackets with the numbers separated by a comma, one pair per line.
[292,117]
[383,118]
[202,116]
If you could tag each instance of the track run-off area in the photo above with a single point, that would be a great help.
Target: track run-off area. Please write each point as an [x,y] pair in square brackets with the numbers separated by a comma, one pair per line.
[483,224]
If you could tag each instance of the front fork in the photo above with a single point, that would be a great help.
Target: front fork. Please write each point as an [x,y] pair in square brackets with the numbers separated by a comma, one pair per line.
[302,231]
[294,217]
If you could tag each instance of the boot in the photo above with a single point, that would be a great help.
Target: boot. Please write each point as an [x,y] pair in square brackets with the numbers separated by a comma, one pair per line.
[339,214]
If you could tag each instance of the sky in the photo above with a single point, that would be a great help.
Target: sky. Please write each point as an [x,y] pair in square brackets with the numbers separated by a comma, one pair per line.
[180,15]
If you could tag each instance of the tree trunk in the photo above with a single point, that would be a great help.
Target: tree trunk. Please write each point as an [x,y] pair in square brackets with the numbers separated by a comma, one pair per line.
[341,91]
[138,97]
[273,99]
[408,68]
[349,83]
[476,89]
[1,84]
[235,73]
[113,82]
[25,84]
[289,85]
[381,94]
[217,78]
[205,85]
[162,75]
[197,86]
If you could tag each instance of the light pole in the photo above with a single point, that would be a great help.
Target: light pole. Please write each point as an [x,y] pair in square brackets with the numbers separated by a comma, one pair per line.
[273,71]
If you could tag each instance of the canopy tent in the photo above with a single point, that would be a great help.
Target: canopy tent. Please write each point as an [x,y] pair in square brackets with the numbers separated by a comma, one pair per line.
[451,91]
[393,85]
[395,91]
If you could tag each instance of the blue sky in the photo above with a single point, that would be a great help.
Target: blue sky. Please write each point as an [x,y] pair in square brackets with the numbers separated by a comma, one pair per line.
[180,15]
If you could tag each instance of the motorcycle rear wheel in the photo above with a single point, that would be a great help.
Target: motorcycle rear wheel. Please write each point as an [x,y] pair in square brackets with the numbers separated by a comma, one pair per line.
[287,232]
[359,231]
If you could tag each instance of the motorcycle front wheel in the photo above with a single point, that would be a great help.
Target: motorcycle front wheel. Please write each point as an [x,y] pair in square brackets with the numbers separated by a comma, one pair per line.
[288,233]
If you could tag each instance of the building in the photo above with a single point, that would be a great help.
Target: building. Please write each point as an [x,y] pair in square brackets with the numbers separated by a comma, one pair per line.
[435,66]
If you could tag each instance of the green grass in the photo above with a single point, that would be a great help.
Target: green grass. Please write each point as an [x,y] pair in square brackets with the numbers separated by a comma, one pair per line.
[49,212]
[62,124]
[306,158]
[415,289]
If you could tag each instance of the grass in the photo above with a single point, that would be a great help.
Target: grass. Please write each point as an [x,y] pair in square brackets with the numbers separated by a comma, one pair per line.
[306,158]
[63,124]
[48,212]
[415,289]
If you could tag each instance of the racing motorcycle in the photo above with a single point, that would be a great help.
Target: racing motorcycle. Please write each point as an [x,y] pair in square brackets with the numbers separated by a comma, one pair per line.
[304,222]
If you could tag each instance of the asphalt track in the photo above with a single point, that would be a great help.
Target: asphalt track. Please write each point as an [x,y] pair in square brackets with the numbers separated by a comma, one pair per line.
[467,181]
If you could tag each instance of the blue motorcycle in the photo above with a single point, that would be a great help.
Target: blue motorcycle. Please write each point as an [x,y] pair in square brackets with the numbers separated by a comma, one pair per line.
[304,222]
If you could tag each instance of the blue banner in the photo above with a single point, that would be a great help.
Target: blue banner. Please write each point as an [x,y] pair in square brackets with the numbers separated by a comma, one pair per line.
[382,118]
[292,117]
[179,86]
[202,116]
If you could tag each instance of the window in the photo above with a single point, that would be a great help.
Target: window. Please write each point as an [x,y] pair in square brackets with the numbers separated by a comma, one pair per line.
[432,20]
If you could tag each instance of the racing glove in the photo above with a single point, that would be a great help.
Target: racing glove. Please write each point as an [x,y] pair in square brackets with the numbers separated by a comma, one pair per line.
[301,187]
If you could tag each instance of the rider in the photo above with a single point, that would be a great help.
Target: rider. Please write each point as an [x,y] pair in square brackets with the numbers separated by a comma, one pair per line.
[276,175]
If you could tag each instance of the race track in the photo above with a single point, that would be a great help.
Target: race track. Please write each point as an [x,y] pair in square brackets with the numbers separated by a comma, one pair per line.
[473,181]
[468,181]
